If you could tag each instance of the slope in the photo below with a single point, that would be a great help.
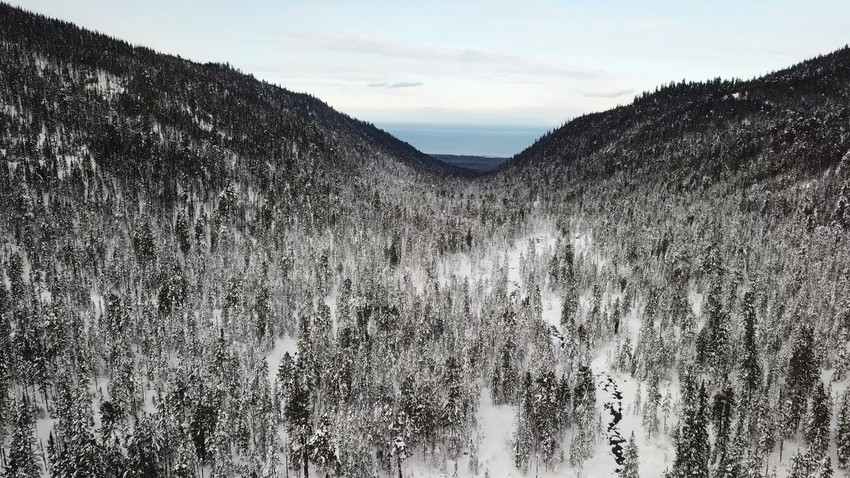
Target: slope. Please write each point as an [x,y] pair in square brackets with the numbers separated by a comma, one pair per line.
[791,122]
[104,92]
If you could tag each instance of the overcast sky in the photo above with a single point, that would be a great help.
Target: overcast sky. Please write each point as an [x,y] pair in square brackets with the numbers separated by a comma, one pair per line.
[468,61]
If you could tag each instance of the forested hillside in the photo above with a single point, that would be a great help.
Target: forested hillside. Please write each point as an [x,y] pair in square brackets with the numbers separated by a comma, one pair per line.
[723,210]
[208,275]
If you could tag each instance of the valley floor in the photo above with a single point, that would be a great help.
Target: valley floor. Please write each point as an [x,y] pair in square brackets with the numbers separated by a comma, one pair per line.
[614,389]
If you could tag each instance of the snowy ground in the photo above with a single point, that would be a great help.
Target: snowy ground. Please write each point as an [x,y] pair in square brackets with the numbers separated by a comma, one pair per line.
[497,423]
[616,392]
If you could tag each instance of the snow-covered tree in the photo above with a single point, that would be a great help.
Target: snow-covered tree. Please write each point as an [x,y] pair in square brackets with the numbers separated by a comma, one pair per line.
[322,447]
[817,424]
[22,461]
[842,432]
[630,468]
[692,446]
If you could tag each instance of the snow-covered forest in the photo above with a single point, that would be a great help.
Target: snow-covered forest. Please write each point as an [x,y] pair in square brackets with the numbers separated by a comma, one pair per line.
[205,275]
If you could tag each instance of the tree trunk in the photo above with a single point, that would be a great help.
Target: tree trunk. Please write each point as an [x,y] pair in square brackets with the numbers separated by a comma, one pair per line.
[304,454]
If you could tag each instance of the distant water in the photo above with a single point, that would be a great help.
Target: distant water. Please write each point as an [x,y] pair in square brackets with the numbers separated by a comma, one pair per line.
[499,141]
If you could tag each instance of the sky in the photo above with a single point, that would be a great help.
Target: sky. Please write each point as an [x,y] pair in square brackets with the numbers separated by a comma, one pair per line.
[492,62]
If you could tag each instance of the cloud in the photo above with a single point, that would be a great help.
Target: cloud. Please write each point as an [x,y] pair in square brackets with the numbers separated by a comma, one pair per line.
[651,25]
[398,84]
[450,57]
[543,117]
[609,94]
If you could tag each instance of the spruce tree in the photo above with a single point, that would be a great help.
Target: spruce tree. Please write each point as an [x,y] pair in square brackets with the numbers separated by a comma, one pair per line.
[297,418]
[22,462]
[524,435]
[630,469]
[750,363]
[453,416]
[692,446]
[713,339]
[801,465]
[650,408]
[570,303]
[802,373]
[817,424]
[823,469]
[721,415]
[321,446]
[842,432]
[584,401]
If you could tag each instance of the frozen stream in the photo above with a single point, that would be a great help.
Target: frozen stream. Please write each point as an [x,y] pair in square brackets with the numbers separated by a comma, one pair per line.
[615,408]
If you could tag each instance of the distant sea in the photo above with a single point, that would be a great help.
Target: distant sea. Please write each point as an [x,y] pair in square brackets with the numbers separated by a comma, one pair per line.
[497,141]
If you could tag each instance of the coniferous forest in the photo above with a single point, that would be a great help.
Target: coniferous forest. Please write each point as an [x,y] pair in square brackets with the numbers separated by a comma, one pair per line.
[207,275]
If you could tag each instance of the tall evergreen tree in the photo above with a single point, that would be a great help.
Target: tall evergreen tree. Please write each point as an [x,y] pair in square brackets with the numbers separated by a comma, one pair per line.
[321,446]
[523,441]
[842,432]
[650,408]
[721,416]
[817,424]
[751,376]
[692,446]
[713,339]
[454,408]
[802,373]
[297,413]
[584,403]
[22,462]
[570,303]
[630,469]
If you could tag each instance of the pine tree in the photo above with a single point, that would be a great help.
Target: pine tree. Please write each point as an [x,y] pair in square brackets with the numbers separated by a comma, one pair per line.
[823,468]
[713,339]
[722,410]
[842,433]
[766,430]
[143,452]
[5,356]
[22,462]
[321,446]
[817,424]
[524,435]
[547,416]
[453,415]
[181,230]
[297,412]
[731,463]
[801,465]
[584,401]
[802,373]
[666,406]
[616,316]
[183,466]
[569,305]
[750,363]
[692,446]
[650,408]
[638,400]
[630,469]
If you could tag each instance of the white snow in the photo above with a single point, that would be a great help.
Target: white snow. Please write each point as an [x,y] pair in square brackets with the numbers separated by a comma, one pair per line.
[281,347]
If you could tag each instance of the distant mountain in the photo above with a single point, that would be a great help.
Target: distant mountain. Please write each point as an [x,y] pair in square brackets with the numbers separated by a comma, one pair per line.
[476,164]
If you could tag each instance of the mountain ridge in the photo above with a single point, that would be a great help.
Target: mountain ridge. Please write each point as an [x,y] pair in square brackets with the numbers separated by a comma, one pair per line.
[804,101]
[135,64]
